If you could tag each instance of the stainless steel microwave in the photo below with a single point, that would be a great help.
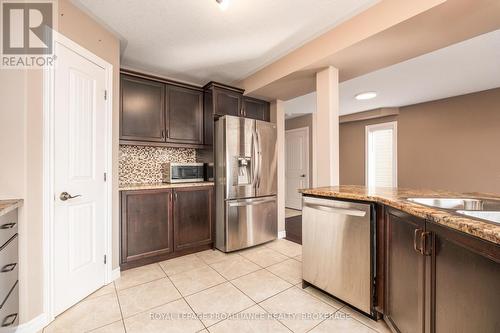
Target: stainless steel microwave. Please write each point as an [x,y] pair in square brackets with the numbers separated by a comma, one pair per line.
[183,172]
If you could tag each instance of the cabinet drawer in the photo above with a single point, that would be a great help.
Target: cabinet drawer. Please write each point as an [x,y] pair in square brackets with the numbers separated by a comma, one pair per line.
[9,312]
[8,226]
[8,266]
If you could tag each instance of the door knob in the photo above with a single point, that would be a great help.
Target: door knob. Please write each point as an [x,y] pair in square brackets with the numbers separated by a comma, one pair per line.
[65,196]
[303,176]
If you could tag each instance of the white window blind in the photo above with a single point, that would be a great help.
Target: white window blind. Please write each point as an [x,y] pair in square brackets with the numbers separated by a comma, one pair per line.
[381,155]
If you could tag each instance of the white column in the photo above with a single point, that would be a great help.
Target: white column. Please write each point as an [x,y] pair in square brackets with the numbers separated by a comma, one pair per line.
[326,132]
[278,117]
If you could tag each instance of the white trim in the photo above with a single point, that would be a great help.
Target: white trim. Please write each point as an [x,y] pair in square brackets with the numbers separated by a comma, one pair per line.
[281,234]
[115,274]
[34,325]
[389,125]
[314,165]
[48,171]
[308,178]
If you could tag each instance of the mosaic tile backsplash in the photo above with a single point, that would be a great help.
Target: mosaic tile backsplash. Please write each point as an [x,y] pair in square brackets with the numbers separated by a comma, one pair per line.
[141,164]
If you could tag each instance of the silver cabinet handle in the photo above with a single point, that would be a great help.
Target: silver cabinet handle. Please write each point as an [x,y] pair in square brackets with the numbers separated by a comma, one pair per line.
[344,211]
[66,196]
[8,225]
[8,268]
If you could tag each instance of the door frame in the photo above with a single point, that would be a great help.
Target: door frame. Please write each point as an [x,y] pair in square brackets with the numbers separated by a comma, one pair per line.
[49,177]
[308,176]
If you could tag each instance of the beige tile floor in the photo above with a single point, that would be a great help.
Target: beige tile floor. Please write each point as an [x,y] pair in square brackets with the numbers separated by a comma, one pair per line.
[254,290]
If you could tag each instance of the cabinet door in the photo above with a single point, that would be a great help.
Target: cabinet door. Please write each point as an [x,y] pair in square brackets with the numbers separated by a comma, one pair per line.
[227,102]
[208,118]
[146,228]
[466,289]
[184,115]
[256,109]
[192,217]
[405,273]
[142,110]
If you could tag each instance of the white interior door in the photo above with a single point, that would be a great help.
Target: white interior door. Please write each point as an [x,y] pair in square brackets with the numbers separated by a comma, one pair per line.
[79,166]
[297,165]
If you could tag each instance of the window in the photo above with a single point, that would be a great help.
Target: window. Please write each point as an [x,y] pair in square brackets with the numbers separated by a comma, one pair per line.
[381,155]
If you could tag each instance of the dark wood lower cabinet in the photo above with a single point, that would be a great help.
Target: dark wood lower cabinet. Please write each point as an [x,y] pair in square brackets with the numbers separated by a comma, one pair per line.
[465,279]
[405,273]
[146,225]
[192,210]
[160,224]
[438,279]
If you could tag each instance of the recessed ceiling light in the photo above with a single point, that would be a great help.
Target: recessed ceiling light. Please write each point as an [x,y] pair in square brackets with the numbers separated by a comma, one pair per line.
[223,4]
[366,95]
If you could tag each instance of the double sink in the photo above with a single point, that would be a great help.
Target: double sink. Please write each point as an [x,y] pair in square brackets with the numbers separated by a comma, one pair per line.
[488,210]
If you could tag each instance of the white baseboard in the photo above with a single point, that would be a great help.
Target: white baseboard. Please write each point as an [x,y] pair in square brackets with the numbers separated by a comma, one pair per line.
[115,274]
[34,325]
[281,234]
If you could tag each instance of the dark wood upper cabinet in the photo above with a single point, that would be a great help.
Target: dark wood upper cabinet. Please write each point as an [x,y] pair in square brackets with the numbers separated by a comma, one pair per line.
[208,119]
[227,102]
[221,100]
[142,110]
[193,211]
[160,112]
[185,115]
[256,109]
[146,225]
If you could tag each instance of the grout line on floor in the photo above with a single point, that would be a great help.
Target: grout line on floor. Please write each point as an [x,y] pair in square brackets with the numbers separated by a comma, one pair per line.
[117,290]
[185,300]
[279,321]
[120,307]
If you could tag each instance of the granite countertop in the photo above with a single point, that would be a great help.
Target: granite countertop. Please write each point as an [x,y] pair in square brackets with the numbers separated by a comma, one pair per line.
[396,198]
[153,186]
[7,206]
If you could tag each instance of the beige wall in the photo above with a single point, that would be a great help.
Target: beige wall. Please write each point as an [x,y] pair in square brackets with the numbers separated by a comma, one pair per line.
[450,144]
[299,122]
[21,128]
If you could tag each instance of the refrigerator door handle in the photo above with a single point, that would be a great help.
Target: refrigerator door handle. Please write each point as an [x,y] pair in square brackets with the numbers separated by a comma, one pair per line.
[259,159]
[255,157]
[250,202]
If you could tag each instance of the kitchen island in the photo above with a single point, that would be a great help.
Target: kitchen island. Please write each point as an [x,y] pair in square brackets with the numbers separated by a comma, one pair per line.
[435,270]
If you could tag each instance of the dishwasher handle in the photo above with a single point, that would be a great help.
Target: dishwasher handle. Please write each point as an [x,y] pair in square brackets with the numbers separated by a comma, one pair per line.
[343,211]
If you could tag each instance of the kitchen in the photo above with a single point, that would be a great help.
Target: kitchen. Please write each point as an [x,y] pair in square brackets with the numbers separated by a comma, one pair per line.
[312,176]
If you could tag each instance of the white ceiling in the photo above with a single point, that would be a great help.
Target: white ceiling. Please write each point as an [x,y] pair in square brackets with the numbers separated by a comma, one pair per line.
[195,41]
[470,66]
[466,67]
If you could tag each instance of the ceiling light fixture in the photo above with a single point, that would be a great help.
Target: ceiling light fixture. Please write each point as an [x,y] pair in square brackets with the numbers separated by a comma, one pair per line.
[223,4]
[366,95]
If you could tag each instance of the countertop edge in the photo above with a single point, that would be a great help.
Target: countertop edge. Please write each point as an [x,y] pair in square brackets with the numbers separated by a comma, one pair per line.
[11,204]
[470,226]
[159,186]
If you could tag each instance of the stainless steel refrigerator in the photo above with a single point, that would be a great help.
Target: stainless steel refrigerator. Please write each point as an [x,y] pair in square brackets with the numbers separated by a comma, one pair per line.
[245,179]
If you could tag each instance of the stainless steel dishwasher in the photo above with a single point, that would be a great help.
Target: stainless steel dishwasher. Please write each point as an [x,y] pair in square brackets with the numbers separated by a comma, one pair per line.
[338,249]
